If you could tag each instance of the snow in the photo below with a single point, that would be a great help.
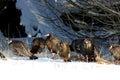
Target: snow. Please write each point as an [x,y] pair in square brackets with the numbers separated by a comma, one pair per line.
[28,69]
[36,13]
[46,68]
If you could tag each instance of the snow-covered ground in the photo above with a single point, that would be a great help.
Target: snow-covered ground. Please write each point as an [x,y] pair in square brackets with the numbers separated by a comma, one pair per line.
[44,69]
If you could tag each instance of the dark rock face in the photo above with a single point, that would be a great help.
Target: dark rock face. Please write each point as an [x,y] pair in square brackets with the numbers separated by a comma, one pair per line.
[10,20]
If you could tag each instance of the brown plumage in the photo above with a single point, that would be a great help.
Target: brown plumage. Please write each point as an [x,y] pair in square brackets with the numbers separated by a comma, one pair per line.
[115,51]
[52,43]
[89,49]
[64,51]
[2,55]
[99,59]
[85,48]
[38,44]
[56,46]
[20,49]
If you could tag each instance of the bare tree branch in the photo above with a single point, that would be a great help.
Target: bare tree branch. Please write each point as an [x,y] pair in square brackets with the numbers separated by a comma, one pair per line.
[103,7]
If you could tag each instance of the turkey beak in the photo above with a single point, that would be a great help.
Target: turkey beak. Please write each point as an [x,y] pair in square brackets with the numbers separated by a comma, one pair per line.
[110,47]
[46,35]
[85,41]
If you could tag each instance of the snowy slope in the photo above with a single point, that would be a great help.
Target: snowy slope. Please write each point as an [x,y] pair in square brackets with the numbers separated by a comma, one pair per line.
[36,13]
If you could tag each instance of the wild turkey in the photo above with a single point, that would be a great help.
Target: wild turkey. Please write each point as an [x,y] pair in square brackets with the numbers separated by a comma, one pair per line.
[38,44]
[85,49]
[20,49]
